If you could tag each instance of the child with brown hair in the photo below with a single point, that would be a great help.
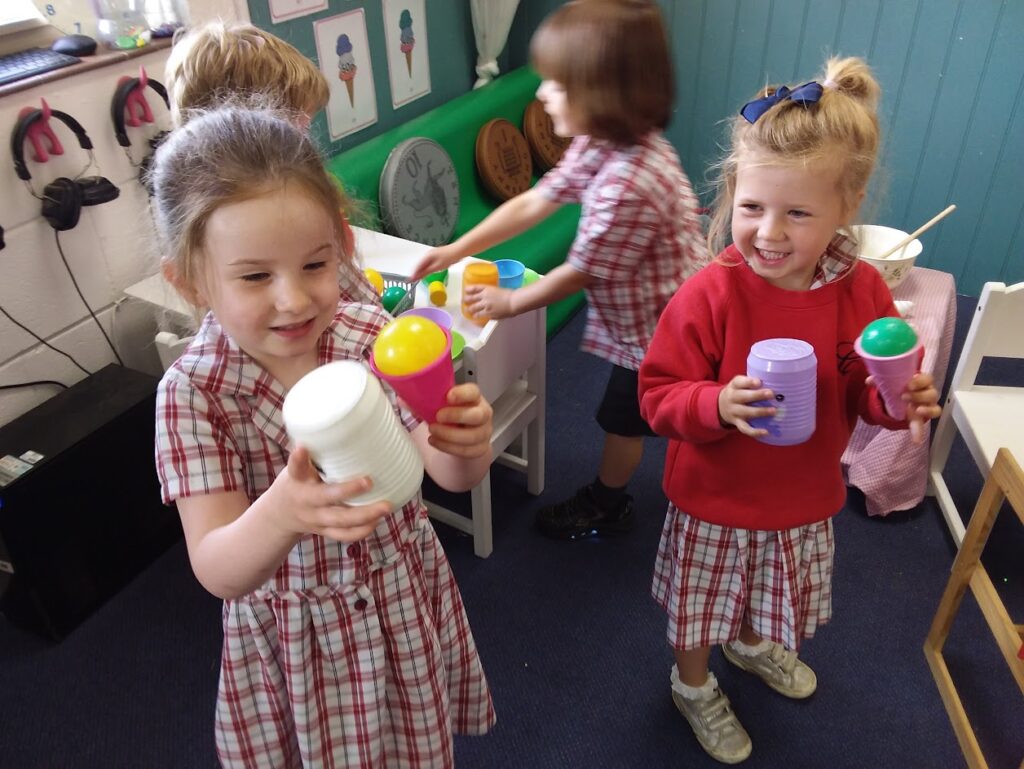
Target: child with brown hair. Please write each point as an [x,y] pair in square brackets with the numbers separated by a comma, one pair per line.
[608,82]
[746,552]
[346,642]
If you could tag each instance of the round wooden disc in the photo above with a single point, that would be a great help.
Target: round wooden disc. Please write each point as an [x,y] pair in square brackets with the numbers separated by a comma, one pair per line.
[545,145]
[419,192]
[503,159]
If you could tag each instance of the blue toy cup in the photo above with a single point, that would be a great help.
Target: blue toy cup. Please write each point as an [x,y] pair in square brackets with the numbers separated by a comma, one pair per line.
[510,273]
[789,368]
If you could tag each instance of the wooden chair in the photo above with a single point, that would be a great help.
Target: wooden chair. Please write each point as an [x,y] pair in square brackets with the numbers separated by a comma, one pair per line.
[1005,482]
[987,417]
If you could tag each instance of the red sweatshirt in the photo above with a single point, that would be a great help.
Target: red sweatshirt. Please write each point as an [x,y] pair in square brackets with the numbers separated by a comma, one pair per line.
[702,340]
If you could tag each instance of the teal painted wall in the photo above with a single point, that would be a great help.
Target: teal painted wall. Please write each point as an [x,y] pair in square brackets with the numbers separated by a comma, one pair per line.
[952,76]
[450,44]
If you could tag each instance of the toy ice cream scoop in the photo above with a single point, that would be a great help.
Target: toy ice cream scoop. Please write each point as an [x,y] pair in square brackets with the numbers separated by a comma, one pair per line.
[407,39]
[891,352]
[413,355]
[340,414]
[347,67]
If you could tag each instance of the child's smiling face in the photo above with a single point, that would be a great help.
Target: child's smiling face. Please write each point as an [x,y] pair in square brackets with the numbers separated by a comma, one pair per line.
[271,277]
[783,217]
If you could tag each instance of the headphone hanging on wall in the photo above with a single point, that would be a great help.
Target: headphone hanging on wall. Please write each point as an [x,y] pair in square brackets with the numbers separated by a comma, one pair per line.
[128,97]
[62,198]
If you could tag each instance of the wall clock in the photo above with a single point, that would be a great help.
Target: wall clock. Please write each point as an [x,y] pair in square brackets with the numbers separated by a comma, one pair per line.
[419,192]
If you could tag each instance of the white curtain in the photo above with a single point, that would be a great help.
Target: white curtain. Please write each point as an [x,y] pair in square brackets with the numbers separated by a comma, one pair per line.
[492,20]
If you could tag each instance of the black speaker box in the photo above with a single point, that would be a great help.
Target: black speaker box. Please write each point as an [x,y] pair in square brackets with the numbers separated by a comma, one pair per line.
[80,509]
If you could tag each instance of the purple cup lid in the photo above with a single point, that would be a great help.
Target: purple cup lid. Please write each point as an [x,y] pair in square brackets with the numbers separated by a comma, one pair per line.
[781,356]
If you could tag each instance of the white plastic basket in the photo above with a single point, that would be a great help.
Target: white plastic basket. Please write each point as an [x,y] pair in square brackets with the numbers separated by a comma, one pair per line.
[407,301]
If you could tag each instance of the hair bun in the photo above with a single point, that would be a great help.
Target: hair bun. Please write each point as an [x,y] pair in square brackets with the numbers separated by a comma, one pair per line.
[853,77]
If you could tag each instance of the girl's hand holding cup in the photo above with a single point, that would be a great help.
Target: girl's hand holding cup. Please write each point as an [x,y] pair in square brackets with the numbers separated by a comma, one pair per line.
[310,506]
[464,426]
[922,401]
[734,405]
[489,301]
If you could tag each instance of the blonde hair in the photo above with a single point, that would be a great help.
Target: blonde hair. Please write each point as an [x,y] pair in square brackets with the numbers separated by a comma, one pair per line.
[217,61]
[842,128]
[229,155]
[612,57]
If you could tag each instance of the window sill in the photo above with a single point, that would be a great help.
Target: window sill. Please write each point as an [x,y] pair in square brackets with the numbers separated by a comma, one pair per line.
[96,61]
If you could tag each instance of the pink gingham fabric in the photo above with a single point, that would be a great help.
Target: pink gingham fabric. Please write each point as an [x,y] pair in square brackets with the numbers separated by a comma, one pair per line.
[887,466]
[351,655]
[639,235]
[707,577]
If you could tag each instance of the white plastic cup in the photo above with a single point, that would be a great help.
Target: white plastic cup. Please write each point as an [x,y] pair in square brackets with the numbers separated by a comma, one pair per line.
[340,414]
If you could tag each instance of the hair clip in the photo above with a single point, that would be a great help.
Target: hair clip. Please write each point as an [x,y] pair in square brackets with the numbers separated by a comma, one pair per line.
[808,93]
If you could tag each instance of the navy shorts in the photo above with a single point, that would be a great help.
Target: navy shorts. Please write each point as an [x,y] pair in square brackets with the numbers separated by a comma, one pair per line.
[619,411]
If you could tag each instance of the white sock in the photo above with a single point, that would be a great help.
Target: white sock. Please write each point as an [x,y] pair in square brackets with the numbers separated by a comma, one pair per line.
[750,651]
[705,692]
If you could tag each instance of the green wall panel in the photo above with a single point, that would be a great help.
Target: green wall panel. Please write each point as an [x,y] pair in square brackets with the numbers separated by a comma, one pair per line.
[952,111]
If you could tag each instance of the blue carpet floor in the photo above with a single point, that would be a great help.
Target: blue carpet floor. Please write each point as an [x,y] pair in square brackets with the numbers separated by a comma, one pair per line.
[572,642]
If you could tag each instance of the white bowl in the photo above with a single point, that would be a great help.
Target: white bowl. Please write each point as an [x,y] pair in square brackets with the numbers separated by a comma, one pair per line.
[874,239]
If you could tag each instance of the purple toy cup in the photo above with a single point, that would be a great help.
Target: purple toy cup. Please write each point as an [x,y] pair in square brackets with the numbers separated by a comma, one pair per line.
[891,375]
[441,317]
[789,368]
[425,392]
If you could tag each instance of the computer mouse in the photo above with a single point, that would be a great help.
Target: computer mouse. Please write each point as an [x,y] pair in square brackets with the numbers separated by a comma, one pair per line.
[74,45]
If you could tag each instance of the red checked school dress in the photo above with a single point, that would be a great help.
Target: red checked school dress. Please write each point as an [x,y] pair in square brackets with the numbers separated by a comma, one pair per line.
[639,235]
[356,655]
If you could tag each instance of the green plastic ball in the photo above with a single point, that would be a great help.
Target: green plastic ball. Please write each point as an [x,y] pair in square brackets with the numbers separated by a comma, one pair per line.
[887,337]
[530,276]
[392,296]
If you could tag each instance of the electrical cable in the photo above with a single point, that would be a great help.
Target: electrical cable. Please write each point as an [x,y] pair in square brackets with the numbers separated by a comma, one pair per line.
[56,236]
[42,341]
[33,384]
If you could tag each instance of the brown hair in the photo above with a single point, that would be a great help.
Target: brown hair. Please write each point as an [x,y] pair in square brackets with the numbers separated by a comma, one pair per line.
[217,61]
[612,57]
[842,127]
[228,155]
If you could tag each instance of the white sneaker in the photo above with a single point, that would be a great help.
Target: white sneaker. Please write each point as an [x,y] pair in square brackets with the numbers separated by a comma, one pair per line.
[778,667]
[714,724]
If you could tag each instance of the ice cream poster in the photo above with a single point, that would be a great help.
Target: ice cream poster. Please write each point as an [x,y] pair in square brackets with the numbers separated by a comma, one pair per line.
[405,28]
[344,54]
[283,10]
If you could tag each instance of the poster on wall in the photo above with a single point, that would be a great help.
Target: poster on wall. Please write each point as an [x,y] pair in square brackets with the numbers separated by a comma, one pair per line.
[405,28]
[344,53]
[283,10]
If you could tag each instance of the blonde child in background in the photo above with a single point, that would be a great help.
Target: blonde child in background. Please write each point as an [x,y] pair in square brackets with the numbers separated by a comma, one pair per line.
[608,82]
[345,638]
[746,552]
[218,62]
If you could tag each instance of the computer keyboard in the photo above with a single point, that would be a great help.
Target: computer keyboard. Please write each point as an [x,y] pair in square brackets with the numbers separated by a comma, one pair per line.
[34,61]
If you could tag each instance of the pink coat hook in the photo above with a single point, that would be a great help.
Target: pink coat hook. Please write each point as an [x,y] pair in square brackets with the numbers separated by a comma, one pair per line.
[136,107]
[39,130]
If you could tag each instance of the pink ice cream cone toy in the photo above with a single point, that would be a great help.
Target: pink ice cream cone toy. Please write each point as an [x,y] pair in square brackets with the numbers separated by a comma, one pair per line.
[408,40]
[413,355]
[892,354]
[347,67]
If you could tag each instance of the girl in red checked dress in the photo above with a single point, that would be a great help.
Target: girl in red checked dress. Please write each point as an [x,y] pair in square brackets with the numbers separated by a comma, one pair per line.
[346,643]
[608,82]
[746,552]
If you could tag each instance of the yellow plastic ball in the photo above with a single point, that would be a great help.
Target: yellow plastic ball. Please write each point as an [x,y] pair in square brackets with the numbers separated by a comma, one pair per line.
[376,280]
[408,344]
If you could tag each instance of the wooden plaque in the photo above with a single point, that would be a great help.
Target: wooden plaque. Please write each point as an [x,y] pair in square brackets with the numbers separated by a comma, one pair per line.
[503,159]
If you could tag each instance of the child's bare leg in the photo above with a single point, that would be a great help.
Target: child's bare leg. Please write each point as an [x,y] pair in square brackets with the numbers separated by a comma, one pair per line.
[619,459]
[693,665]
[747,634]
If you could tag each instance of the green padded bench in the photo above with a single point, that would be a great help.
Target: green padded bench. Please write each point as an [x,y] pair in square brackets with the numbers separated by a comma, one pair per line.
[454,126]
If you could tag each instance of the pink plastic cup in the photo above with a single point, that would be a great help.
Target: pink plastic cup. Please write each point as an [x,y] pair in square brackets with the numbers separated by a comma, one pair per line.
[425,392]
[892,375]
[443,318]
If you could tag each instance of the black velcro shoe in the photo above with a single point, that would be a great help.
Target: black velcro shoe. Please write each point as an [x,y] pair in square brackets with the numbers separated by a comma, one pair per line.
[579,517]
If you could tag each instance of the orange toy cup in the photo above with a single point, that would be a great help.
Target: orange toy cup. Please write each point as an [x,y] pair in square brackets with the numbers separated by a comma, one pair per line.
[475,274]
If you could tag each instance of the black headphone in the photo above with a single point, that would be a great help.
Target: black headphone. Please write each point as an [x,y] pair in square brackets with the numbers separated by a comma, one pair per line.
[118,105]
[62,198]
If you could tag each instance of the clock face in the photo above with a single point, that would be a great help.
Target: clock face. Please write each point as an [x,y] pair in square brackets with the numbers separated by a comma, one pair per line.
[419,192]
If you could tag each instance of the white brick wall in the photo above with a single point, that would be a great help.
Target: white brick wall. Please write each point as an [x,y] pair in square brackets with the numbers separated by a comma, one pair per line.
[109,249]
